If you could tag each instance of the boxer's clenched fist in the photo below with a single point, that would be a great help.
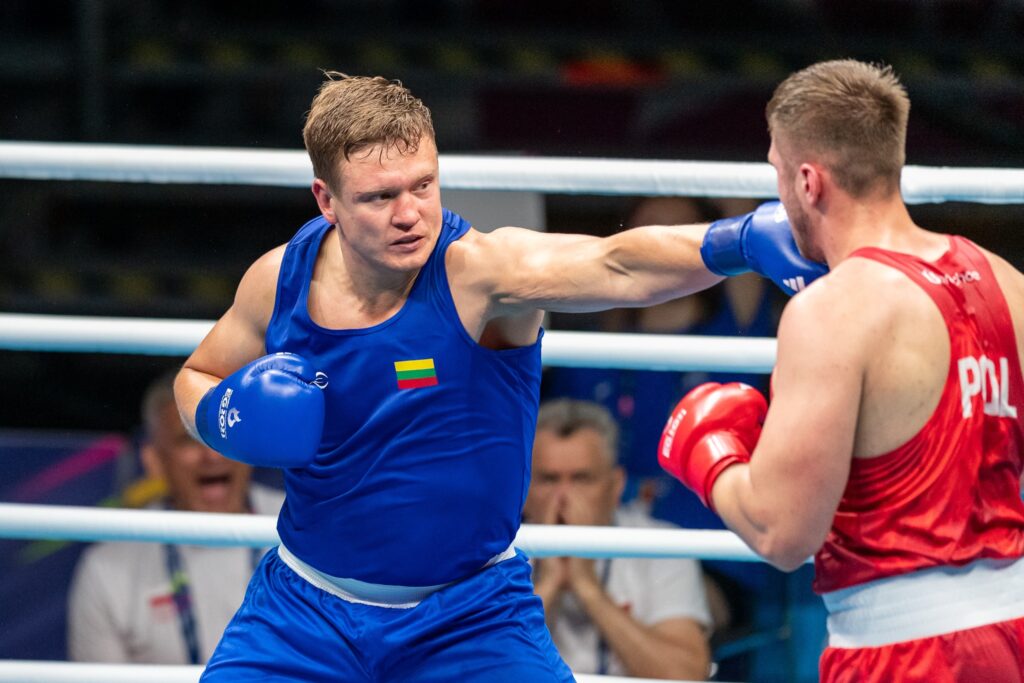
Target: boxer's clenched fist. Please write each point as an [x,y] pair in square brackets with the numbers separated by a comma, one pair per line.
[714,426]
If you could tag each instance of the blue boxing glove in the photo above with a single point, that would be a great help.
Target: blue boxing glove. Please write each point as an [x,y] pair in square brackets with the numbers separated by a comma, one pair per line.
[269,413]
[761,241]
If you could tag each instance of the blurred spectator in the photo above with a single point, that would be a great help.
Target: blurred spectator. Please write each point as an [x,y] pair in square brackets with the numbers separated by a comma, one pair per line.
[623,616]
[167,604]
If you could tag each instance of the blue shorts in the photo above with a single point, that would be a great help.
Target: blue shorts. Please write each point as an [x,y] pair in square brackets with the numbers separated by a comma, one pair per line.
[488,627]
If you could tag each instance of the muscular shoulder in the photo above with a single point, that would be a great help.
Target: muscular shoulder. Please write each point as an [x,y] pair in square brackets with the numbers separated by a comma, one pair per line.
[484,271]
[262,274]
[255,296]
[522,266]
[857,298]
[480,257]
[863,329]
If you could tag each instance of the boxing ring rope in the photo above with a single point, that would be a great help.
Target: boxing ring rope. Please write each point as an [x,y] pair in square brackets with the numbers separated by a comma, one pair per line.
[60,522]
[22,671]
[291,168]
[287,168]
[30,332]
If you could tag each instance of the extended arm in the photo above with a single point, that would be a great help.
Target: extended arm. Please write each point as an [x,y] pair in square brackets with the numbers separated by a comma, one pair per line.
[578,273]
[523,269]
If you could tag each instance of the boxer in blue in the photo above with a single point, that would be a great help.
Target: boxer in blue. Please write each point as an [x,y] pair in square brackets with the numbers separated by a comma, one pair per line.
[388,359]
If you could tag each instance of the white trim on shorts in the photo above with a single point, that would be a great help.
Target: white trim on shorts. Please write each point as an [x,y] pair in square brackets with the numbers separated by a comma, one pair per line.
[925,603]
[374,594]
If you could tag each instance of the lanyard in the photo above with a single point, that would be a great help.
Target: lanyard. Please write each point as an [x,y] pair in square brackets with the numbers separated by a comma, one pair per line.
[602,646]
[181,594]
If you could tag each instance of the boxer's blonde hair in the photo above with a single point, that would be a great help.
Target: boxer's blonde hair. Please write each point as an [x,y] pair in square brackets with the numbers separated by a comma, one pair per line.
[350,113]
[850,116]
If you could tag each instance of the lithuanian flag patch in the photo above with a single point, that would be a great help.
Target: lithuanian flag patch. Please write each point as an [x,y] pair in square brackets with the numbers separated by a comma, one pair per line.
[413,374]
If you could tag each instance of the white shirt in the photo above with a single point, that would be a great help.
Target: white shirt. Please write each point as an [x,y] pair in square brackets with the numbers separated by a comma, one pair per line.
[650,590]
[120,607]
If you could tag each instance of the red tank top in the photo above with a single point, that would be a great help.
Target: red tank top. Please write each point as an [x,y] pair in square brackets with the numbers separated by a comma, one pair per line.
[950,495]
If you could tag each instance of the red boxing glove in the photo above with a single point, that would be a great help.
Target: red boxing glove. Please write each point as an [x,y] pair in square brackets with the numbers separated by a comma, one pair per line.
[713,427]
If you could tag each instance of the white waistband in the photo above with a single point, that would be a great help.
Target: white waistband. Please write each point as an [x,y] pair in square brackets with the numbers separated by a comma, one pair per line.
[375,594]
[926,603]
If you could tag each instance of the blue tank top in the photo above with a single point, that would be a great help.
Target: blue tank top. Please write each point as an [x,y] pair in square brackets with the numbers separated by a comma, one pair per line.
[424,463]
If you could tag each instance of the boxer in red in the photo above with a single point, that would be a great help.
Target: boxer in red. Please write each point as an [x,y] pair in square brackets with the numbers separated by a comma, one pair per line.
[892,450]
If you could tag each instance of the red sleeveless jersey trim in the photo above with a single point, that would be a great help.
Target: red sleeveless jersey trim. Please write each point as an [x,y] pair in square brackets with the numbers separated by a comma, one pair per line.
[950,495]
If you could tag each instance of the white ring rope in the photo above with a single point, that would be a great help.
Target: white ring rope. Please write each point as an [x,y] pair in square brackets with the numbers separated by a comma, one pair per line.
[67,522]
[30,332]
[291,168]
[24,671]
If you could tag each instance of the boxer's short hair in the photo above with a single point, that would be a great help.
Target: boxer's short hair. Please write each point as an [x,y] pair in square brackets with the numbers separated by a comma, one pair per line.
[350,113]
[849,115]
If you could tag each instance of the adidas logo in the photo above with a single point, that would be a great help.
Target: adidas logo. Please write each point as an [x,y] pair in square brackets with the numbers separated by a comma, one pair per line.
[794,283]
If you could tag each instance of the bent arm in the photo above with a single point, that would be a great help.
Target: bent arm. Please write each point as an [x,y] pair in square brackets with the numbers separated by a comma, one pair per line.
[579,273]
[783,501]
[236,339]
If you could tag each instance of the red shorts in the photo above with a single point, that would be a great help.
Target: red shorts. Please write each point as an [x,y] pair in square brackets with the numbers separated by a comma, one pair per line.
[986,654]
